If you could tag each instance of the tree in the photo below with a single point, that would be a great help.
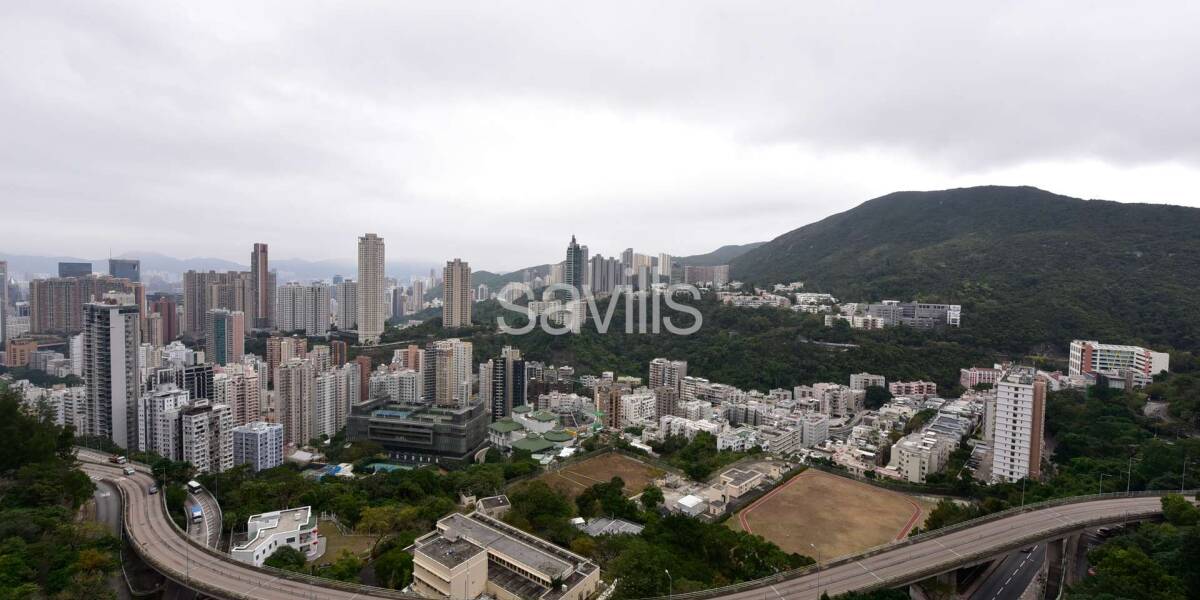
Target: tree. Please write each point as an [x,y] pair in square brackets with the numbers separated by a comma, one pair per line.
[286,558]
[876,397]
[394,568]
[382,520]
[1179,512]
[652,497]
[345,568]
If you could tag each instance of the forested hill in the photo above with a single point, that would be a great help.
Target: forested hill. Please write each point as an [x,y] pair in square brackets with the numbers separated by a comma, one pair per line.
[1031,268]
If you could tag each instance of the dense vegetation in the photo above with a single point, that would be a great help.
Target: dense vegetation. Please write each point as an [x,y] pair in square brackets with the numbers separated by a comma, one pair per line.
[750,348]
[1030,268]
[39,378]
[46,551]
[697,457]
[698,555]
[1103,443]
[1152,561]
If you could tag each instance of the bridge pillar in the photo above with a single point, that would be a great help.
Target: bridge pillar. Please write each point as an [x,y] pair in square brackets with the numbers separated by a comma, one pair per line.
[1071,559]
[1056,557]
[941,587]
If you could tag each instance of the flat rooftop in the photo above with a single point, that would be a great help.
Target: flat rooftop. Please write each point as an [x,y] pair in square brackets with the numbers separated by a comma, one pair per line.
[740,476]
[447,552]
[531,552]
[292,520]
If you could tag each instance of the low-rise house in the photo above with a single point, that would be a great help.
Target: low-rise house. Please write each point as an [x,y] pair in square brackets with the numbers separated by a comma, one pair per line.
[267,532]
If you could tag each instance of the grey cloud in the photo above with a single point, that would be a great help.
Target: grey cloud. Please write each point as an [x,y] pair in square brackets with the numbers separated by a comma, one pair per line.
[305,121]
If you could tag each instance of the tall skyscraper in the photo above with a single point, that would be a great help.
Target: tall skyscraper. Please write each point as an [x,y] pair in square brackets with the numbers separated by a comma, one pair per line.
[304,307]
[346,293]
[1020,419]
[263,290]
[507,382]
[3,301]
[371,311]
[225,336]
[456,294]
[111,337]
[282,349]
[203,291]
[167,309]
[294,381]
[128,268]
[575,265]
[446,372]
[207,438]
[663,271]
[74,269]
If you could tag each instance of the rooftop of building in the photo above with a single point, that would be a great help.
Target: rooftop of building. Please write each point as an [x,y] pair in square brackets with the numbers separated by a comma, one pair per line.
[556,436]
[740,477]
[447,552]
[598,526]
[516,545]
[292,520]
[543,416]
[505,426]
[533,443]
[494,502]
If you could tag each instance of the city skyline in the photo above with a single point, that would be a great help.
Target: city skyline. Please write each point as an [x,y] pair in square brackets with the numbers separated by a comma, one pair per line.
[731,128]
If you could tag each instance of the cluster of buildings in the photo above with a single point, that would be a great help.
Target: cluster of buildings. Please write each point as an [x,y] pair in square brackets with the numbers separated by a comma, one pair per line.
[891,313]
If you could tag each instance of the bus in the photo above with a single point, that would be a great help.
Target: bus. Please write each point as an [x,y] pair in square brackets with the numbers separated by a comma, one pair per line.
[193,487]
[197,514]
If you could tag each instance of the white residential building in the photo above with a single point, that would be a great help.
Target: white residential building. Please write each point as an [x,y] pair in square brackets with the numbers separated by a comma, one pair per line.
[1017,437]
[158,415]
[1110,359]
[638,408]
[862,381]
[258,444]
[295,527]
[207,439]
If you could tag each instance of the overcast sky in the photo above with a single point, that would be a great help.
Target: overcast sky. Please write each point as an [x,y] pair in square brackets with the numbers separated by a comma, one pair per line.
[492,131]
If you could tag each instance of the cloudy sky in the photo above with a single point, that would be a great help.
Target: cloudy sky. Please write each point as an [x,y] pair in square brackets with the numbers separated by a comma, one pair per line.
[494,130]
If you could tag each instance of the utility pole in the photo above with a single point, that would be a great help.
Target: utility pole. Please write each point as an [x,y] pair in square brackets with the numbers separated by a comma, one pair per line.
[814,547]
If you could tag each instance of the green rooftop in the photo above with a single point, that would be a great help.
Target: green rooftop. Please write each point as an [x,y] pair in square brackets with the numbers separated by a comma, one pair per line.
[505,426]
[557,437]
[522,409]
[543,416]
[532,444]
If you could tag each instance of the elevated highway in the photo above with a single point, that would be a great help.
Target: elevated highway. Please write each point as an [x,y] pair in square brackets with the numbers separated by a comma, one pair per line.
[168,549]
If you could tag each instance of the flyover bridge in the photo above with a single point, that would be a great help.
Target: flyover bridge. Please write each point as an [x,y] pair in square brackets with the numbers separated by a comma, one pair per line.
[165,547]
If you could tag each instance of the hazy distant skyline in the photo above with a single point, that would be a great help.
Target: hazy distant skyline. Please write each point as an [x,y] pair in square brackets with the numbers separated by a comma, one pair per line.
[492,132]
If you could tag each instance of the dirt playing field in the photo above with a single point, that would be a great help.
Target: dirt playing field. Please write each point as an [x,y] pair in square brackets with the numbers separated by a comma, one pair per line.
[574,479]
[838,515]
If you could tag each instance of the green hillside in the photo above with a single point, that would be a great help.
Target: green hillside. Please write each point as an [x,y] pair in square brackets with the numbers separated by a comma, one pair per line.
[1029,267]
[720,256]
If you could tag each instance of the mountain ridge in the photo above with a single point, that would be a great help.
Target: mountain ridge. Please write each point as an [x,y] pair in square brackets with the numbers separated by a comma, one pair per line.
[1053,266]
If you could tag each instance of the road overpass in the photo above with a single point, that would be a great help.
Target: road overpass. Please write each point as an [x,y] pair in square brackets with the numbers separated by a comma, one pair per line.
[164,546]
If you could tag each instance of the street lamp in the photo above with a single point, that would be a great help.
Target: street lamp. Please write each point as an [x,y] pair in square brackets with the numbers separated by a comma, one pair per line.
[1102,476]
[814,547]
[670,583]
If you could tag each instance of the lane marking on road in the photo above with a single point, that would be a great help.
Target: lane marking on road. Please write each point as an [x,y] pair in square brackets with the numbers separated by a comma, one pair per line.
[776,591]
[945,547]
[864,568]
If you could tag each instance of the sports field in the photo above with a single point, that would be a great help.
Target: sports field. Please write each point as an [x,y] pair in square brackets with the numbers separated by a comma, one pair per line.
[837,515]
[573,479]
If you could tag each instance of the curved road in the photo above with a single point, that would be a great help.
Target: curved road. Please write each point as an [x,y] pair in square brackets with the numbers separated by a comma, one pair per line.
[165,548]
